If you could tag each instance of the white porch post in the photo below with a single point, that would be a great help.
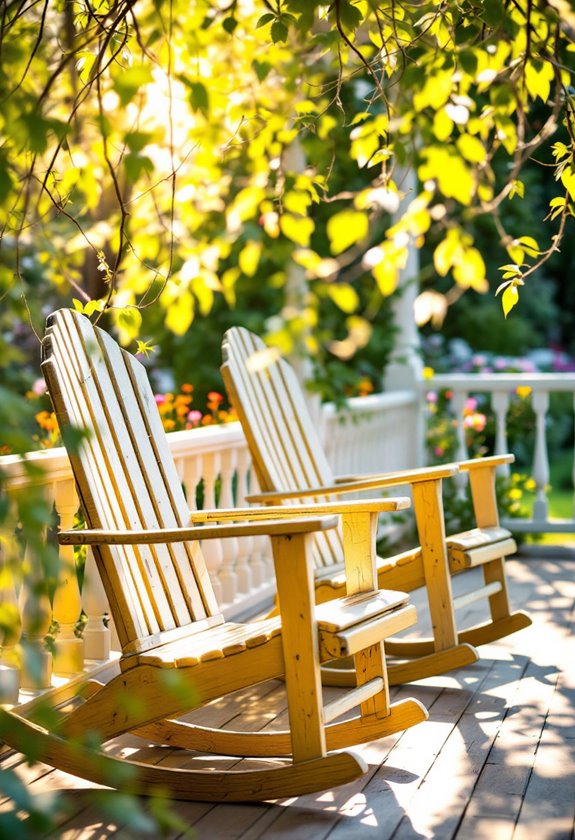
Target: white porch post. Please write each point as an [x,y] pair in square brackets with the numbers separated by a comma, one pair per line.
[405,369]
[296,289]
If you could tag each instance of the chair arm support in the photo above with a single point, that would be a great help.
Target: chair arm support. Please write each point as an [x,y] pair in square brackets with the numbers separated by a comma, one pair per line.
[350,484]
[283,511]
[276,527]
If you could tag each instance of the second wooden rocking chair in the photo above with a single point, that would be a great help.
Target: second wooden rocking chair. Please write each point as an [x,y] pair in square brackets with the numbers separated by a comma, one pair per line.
[291,468]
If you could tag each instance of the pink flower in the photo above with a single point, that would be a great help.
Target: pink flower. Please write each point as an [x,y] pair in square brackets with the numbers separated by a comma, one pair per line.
[39,387]
[431,397]
[160,399]
[194,417]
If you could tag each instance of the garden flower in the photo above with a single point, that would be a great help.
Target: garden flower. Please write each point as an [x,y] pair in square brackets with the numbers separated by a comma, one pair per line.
[194,418]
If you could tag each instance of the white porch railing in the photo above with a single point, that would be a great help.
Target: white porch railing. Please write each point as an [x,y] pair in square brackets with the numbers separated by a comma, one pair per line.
[502,387]
[214,465]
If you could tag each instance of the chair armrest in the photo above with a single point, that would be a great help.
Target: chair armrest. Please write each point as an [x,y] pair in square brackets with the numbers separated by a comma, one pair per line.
[275,527]
[366,482]
[490,461]
[283,511]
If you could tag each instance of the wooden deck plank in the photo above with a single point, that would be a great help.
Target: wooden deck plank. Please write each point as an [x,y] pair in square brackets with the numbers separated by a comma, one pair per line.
[495,760]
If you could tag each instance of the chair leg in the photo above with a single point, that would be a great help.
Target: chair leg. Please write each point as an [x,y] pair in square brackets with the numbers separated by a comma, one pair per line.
[428,508]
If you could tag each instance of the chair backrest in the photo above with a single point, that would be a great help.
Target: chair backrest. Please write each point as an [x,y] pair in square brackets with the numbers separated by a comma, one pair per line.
[286,449]
[126,479]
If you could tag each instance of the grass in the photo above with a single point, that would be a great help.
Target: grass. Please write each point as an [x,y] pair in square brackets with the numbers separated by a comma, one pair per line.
[560,498]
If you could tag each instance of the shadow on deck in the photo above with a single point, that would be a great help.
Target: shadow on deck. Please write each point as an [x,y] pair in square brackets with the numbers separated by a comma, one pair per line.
[496,759]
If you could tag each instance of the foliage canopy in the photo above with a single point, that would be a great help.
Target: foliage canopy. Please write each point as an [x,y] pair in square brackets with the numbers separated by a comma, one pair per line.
[156,151]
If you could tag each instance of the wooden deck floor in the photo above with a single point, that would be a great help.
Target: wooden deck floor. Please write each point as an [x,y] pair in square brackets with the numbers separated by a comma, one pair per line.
[496,759]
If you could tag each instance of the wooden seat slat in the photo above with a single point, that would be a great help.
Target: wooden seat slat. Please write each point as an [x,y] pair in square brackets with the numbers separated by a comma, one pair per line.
[221,641]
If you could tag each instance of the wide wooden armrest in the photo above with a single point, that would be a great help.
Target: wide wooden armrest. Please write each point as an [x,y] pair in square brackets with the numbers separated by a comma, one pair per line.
[273,527]
[489,461]
[355,485]
[319,509]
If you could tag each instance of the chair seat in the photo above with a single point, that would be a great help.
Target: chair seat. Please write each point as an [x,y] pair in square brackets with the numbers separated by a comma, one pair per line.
[346,612]
[478,546]
[213,644]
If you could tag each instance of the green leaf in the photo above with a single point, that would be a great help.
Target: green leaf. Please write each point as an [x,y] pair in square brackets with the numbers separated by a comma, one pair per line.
[249,258]
[517,188]
[129,82]
[530,246]
[267,18]
[6,182]
[471,148]
[297,228]
[344,296]
[138,140]
[279,31]
[509,299]
[229,24]
[136,165]
[180,313]
[493,12]
[349,15]
[128,321]
[262,68]
[568,181]
[346,228]
[199,98]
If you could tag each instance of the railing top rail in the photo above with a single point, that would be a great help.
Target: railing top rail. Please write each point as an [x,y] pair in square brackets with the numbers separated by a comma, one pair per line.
[371,403]
[502,381]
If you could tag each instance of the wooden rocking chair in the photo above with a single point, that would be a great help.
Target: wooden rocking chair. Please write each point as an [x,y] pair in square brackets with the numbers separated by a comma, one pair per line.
[291,467]
[169,623]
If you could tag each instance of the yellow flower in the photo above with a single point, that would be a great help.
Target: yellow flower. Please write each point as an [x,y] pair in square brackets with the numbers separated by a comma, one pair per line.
[428,373]
[523,391]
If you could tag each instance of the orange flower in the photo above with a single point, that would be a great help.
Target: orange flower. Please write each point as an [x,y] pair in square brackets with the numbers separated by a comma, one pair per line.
[187,388]
[47,421]
[169,425]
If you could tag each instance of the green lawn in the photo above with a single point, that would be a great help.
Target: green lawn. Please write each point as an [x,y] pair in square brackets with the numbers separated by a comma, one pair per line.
[560,498]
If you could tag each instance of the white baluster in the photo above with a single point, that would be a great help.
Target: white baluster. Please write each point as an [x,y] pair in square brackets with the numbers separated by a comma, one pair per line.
[227,575]
[540,460]
[262,551]
[190,471]
[36,613]
[212,549]
[97,637]
[458,401]
[10,637]
[244,571]
[66,603]
[500,405]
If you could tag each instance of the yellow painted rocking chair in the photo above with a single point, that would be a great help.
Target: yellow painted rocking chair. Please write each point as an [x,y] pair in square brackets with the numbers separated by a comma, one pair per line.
[169,623]
[291,467]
